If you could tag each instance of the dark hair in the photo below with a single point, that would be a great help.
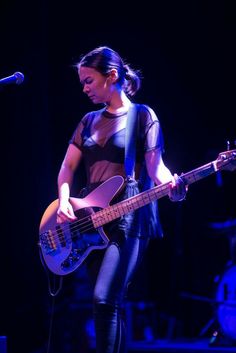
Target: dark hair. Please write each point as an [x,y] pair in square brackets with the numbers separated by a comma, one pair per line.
[103,59]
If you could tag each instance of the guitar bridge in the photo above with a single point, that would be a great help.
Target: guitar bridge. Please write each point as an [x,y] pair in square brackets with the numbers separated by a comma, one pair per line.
[47,241]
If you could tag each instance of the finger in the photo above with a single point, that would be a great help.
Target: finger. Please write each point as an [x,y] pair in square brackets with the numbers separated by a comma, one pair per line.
[177,189]
[59,220]
[180,185]
[71,216]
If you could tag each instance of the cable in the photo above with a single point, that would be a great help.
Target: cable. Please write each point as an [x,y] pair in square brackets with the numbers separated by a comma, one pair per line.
[50,325]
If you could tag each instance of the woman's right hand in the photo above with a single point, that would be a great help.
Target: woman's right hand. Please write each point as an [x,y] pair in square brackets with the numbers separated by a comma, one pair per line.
[65,212]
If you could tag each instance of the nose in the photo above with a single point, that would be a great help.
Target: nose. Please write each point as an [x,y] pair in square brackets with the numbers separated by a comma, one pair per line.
[86,89]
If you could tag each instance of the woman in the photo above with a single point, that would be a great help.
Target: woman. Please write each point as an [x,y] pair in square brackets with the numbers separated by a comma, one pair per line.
[99,139]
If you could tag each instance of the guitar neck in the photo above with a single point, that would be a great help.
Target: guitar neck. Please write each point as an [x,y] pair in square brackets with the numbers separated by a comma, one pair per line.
[199,173]
[117,210]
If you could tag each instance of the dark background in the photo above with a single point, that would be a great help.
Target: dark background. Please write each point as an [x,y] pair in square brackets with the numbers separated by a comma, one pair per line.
[186,52]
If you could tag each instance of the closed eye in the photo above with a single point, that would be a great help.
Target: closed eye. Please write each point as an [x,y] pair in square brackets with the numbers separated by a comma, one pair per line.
[87,81]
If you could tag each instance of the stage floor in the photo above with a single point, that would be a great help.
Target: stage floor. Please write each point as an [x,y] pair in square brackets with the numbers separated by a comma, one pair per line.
[177,346]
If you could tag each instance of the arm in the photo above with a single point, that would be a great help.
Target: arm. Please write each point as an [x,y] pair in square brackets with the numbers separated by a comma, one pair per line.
[65,178]
[159,173]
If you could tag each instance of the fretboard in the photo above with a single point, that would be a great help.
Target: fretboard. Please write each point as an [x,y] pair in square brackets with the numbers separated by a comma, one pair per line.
[119,209]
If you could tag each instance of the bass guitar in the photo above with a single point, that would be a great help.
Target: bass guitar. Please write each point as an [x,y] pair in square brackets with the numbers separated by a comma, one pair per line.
[64,247]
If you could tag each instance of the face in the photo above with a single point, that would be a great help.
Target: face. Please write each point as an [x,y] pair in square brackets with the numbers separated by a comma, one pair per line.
[98,88]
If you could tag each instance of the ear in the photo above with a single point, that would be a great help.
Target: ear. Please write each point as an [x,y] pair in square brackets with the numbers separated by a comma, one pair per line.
[113,75]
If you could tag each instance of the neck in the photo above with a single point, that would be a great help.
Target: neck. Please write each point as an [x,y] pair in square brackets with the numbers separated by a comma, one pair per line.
[119,103]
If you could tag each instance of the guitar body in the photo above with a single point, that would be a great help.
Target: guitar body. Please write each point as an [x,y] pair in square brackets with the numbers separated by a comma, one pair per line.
[65,246]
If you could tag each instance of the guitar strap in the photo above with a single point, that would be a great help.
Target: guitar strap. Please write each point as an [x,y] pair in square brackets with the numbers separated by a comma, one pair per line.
[130,140]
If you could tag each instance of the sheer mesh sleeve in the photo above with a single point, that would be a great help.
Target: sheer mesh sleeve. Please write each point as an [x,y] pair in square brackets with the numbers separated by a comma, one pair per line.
[80,132]
[151,129]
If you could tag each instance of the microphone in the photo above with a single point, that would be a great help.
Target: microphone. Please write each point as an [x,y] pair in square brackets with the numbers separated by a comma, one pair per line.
[17,78]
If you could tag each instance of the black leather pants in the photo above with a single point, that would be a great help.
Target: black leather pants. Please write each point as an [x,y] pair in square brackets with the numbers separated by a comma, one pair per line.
[115,273]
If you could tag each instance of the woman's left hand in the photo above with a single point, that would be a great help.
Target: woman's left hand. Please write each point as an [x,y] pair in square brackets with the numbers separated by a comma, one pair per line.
[178,189]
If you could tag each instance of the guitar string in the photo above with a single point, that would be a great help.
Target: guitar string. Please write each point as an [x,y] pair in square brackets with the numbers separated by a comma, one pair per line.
[57,236]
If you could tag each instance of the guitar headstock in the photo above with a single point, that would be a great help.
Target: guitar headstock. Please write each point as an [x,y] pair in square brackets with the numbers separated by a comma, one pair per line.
[226,160]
